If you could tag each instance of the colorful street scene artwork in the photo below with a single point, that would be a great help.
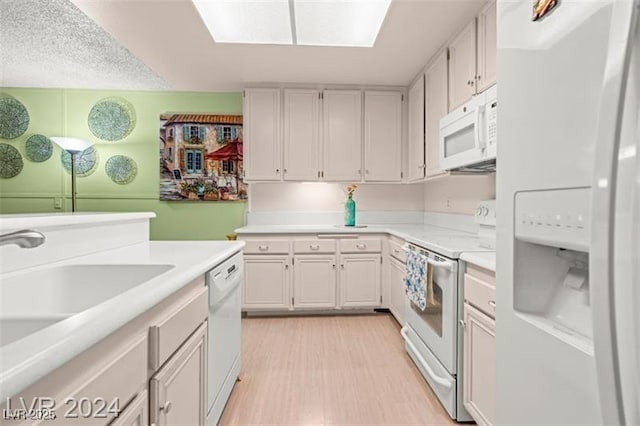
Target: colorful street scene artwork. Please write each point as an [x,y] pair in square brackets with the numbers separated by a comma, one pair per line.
[201,157]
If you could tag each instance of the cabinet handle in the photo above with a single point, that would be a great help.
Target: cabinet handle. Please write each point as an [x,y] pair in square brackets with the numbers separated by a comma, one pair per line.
[422,166]
[263,248]
[314,246]
[341,266]
[361,246]
[479,76]
[360,171]
[462,323]
[366,172]
[286,266]
[277,170]
[492,303]
[284,171]
[334,266]
[167,407]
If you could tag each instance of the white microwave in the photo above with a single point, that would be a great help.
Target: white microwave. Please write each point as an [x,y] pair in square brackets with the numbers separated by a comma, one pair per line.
[468,134]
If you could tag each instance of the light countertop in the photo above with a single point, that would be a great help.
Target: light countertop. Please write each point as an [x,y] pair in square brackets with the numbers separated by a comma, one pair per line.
[27,360]
[484,260]
[446,241]
[9,222]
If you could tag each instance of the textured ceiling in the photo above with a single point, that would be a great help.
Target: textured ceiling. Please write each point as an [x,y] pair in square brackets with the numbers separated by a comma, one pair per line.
[51,43]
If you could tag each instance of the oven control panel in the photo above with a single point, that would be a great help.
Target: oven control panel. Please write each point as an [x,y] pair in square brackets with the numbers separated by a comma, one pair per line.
[558,217]
[486,213]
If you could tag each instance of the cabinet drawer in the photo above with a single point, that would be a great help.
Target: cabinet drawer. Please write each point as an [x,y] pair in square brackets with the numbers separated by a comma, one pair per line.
[267,247]
[166,336]
[361,245]
[396,250]
[480,294]
[311,246]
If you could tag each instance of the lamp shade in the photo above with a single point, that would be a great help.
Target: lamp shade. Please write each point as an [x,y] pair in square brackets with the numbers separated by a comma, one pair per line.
[71,144]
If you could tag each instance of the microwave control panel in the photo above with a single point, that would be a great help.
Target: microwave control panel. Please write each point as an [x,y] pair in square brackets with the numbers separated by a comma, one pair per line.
[492,125]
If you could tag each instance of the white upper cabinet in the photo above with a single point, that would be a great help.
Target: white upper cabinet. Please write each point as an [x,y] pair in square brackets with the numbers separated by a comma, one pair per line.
[383,136]
[487,46]
[262,140]
[415,162]
[342,135]
[301,135]
[435,109]
[462,66]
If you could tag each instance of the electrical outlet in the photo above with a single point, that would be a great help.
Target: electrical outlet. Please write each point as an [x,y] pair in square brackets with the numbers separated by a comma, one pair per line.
[57,203]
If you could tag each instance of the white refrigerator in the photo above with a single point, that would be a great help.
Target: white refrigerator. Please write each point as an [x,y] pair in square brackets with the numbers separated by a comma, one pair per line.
[568,182]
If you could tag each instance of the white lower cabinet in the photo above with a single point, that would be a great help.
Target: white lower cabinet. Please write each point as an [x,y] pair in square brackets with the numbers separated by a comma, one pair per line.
[314,281]
[266,282]
[179,389]
[397,297]
[360,280]
[135,414]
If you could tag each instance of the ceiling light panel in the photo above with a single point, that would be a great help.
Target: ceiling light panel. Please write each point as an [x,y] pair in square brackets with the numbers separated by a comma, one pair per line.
[339,22]
[247,21]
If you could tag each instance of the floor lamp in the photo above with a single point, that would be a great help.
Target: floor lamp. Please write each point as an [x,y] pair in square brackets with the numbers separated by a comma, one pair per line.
[73,146]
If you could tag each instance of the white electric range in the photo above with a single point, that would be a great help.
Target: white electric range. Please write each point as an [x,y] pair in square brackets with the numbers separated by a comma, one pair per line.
[433,337]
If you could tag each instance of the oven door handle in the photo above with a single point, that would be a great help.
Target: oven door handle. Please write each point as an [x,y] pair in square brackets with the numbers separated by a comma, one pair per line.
[439,380]
[440,263]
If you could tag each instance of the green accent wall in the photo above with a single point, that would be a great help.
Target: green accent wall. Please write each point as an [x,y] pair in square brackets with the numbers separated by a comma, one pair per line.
[64,112]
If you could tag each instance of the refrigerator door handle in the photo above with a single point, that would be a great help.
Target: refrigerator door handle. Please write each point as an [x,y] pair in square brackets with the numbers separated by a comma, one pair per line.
[623,23]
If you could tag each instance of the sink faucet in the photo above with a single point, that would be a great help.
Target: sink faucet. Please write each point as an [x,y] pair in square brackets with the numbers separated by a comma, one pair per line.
[25,238]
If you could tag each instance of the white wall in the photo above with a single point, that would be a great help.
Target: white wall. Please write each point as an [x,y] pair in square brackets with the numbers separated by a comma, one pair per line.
[300,197]
[458,194]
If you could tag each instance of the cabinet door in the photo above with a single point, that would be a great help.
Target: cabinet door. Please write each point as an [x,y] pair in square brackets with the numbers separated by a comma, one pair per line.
[415,162]
[314,281]
[479,388]
[342,135]
[462,66]
[136,413]
[360,280]
[398,299]
[435,109]
[487,46]
[266,282]
[383,136]
[301,135]
[262,140]
[179,389]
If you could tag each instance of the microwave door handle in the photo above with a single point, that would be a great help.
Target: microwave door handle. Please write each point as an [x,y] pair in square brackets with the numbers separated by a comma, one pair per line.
[480,142]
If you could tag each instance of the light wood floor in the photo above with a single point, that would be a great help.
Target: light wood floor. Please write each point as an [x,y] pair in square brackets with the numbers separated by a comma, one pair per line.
[347,370]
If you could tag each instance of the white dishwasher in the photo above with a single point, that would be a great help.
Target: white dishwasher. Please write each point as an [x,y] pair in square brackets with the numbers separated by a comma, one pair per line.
[224,284]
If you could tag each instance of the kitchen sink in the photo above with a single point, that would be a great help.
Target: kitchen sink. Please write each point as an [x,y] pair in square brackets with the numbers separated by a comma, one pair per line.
[65,290]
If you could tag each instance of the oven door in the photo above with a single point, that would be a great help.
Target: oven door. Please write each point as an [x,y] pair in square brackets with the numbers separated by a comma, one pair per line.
[437,327]
[462,137]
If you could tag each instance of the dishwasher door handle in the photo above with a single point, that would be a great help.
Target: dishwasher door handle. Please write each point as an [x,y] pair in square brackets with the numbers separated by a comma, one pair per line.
[439,380]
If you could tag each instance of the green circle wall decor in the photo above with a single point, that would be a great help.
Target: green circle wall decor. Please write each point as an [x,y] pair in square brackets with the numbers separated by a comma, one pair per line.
[86,161]
[39,148]
[10,161]
[121,169]
[14,118]
[112,119]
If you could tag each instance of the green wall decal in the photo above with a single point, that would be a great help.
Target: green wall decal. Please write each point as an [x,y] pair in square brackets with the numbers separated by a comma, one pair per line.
[112,119]
[10,161]
[14,117]
[121,169]
[86,161]
[39,148]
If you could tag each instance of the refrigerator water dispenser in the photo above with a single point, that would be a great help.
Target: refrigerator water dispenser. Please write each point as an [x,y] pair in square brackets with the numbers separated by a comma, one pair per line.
[551,263]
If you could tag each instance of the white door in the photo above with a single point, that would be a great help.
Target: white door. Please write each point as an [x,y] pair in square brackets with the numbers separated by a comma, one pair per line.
[462,66]
[479,393]
[314,281]
[397,298]
[415,162]
[301,135]
[360,280]
[487,46]
[342,135]
[435,108]
[178,391]
[383,136]
[266,282]
[262,140]
[136,413]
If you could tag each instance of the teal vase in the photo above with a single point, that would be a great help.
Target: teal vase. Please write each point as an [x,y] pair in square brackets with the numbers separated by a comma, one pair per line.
[350,212]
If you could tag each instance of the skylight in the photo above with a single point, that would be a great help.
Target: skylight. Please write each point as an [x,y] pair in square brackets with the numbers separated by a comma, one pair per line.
[354,23]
